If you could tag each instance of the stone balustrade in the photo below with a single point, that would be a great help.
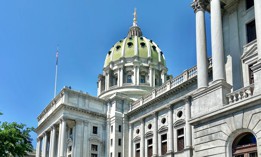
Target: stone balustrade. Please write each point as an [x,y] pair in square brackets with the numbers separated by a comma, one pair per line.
[240,94]
[170,84]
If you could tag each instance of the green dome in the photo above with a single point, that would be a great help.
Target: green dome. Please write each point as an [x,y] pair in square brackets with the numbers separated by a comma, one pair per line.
[135,46]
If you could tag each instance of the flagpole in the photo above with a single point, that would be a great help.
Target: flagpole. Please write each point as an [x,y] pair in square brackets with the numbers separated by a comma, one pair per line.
[56,72]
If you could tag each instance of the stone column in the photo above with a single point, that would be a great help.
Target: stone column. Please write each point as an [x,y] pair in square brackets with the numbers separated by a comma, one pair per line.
[52,141]
[135,75]
[138,75]
[152,77]
[119,77]
[99,90]
[202,62]
[170,130]
[163,76]
[142,138]
[62,138]
[130,140]
[44,143]
[155,135]
[38,149]
[258,26]
[217,41]
[188,132]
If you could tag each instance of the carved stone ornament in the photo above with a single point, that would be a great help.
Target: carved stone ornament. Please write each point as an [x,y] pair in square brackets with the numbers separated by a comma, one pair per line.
[199,5]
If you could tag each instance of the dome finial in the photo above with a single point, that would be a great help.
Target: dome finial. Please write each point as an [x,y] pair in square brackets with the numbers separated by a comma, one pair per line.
[135,17]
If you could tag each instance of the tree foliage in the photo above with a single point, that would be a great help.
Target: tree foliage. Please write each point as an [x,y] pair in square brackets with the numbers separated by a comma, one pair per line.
[15,139]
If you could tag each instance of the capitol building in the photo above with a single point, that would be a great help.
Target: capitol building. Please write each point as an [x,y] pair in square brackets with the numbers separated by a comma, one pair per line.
[210,110]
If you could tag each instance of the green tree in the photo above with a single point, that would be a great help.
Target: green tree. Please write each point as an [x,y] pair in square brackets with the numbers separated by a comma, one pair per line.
[15,139]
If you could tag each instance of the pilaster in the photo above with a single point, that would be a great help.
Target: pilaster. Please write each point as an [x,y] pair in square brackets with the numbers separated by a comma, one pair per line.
[130,140]
[44,144]
[188,127]
[142,137]
[78,141]
[38,147]
[170,130]
[155,135]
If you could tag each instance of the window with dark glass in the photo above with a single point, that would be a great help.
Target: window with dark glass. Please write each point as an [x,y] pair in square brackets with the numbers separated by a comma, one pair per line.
[245,146]
[150,146]
[119,154]
[111,142]
[137,150]
[129,80]
[119,128]
[251,31]
[119,142]
[94,155]
[111,154]
[112,128]
[142,79]
[180,140]
[95,130]
[249,4]
[94,147]
[163,144]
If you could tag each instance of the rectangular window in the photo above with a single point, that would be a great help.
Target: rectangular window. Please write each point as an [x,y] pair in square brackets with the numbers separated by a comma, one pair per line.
[94,155]
[251,31]
[119,128]
[150,147]
[249,4]
[142,79]
[180,139]
[94,147]
[253,154]
[163,144]
[111,154]
[111,142]
[119,154]
[95,130]
[112,128]
[129,80]
[137,151]
[119,142]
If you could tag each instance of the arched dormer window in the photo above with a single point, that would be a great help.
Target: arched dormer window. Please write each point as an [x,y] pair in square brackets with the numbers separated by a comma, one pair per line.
[244,145]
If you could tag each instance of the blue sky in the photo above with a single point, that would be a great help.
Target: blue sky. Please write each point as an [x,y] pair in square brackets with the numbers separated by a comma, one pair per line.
[85,30]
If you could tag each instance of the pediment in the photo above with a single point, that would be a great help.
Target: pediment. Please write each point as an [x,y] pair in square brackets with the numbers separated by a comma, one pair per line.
[163,128]
[95,139]
[179,122]
[137,138]
[250,51]
[148,134]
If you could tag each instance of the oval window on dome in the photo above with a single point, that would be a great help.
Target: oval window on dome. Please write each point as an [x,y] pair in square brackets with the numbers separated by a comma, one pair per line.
[109,52]
[141,38]
[130,38]
[161,52]
[142,44]
[129,44]
[118,47]
[154,47]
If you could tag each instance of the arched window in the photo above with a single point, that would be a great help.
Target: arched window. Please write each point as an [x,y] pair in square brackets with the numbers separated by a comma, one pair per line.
[244,146]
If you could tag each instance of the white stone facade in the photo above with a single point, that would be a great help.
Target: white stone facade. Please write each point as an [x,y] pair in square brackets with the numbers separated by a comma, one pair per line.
[212,109]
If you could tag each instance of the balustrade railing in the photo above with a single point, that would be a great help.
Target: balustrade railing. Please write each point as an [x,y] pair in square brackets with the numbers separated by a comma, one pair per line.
[240,94]
[185,76]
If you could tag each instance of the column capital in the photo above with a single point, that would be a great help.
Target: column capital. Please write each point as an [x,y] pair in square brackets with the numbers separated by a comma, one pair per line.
[199,5]
[187,99]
